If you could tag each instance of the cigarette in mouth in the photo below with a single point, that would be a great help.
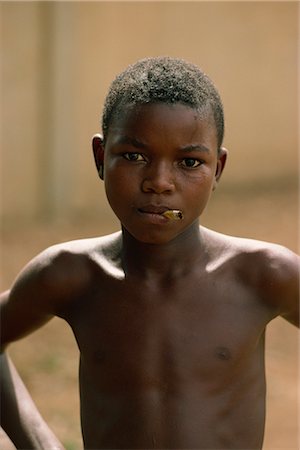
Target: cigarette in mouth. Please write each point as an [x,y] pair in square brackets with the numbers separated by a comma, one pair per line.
[173,214]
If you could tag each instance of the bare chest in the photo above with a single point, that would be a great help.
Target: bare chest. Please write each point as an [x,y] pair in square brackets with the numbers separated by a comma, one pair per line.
[169,336]
[162,368]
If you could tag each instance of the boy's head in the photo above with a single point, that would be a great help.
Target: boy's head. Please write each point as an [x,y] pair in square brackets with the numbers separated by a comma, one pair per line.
[167,80]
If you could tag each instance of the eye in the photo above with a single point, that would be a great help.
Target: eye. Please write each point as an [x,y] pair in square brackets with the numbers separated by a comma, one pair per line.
[130,156]
[191,163]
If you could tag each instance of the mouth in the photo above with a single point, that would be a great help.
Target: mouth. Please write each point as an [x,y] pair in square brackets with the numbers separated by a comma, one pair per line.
[152,209]
[162,213]
[173,214]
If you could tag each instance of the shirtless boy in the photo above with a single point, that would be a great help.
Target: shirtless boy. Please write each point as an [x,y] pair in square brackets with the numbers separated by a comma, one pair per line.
[169,317]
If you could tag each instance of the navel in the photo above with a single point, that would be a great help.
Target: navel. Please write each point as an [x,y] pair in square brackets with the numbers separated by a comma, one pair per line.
[223,353]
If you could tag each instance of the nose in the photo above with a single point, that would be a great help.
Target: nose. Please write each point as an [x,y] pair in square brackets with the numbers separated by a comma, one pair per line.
[159,178]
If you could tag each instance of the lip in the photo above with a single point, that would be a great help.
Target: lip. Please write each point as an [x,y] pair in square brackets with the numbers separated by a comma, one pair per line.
[152,214]
[154,209]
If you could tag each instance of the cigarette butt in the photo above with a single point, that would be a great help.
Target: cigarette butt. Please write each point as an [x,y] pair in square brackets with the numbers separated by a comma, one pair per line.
[173,214]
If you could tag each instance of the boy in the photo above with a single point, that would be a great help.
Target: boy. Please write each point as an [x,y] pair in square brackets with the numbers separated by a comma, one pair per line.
[169,317]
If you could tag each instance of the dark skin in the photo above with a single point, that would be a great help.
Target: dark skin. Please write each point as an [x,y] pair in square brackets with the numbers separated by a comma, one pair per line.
[20,418]
[169,317]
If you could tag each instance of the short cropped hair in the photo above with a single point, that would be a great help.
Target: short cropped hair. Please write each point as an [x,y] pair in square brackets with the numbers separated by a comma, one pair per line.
[167,80]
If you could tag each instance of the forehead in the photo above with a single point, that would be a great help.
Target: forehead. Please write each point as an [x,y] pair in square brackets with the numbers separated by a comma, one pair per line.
[176,122]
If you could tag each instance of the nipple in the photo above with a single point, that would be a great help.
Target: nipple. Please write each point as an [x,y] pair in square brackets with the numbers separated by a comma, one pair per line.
[173,214]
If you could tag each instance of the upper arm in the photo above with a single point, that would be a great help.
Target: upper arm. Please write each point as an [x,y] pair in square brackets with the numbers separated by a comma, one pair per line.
[281,282]
[46,285]
[27,305]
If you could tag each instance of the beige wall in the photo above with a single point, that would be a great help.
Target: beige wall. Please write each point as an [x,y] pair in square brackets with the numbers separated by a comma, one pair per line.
[59,58]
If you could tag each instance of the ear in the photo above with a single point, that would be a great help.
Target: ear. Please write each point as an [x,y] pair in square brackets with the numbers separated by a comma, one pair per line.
[222,157]
[98,150]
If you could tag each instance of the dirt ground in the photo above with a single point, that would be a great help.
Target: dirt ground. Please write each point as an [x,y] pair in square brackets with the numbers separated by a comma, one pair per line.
[48,359]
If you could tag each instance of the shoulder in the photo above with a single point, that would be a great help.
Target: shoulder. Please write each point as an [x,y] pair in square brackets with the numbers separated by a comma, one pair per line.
[72,255]
[273,256]
[269,269]
[63,271]
[73,260]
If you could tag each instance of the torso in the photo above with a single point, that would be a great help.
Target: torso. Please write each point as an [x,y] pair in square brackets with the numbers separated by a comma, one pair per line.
[177,365]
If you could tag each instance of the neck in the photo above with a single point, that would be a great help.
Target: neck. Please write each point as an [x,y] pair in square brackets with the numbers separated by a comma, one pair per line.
[163,260]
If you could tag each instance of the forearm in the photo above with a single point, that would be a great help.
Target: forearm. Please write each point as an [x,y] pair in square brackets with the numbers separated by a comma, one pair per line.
[20,418]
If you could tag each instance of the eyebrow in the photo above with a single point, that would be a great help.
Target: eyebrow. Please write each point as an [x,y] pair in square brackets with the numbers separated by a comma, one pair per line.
[141,145]
[131,141]
[195,147]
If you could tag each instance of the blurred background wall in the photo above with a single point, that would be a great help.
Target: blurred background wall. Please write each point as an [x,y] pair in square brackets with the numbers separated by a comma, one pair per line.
[58,59]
